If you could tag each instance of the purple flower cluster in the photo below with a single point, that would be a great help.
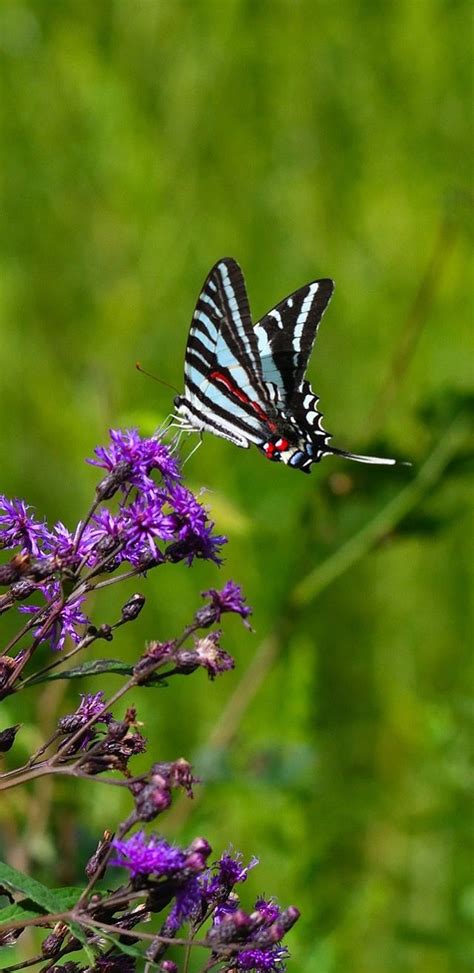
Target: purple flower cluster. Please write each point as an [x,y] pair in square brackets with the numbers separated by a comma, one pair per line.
[202,893]
[152,522]
[229,599]
[66,621]
[228,871]
[91,705]
[151,856]
[18,528]
[151,513]
[141,455]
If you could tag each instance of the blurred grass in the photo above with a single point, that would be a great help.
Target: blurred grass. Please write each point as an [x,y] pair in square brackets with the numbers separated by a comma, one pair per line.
[139,142]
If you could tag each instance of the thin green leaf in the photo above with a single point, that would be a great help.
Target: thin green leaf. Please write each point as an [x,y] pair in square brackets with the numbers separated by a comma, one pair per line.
[19,911]
[94,668]
[66,898]
[38,893]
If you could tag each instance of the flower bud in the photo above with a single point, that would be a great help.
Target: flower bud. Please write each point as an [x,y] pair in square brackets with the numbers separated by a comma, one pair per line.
[22,589]
[14,569]
[7,664]
[152,800]
[52,944]
[97,858]
[41,568]
[201,846]
[6,601]
[7,737]
[110,483]
[231,929]
[133,607]
[186,661]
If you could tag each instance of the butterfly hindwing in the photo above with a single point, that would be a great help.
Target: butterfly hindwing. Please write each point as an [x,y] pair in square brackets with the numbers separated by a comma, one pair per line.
[286,335]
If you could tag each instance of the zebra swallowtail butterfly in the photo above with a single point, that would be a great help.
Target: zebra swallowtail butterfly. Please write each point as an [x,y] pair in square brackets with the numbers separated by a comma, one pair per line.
[247,384]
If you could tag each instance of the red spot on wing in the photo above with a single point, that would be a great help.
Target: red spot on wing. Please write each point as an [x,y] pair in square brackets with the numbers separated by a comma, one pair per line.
[242,397]
[261,414]
[230,386]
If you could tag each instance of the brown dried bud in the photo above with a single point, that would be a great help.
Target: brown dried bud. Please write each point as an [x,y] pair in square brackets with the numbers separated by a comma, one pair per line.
[22,589]
[14,569]
[7,737]
[52,944]
[7,665]
[100,853]
[186,661]
[133,607]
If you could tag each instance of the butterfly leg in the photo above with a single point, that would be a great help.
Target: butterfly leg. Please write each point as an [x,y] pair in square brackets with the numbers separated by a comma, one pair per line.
[196,447]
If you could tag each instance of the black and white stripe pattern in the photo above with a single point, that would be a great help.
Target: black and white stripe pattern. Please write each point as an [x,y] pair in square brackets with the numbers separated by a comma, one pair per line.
[247,384]
[286,334]
[222,337]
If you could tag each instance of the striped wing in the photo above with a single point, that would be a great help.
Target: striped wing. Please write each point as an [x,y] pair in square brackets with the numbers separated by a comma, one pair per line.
[247,384]
[286,336]
[224,388]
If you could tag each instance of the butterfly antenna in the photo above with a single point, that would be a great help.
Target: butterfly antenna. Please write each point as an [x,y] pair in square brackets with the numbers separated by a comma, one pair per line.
[155,378]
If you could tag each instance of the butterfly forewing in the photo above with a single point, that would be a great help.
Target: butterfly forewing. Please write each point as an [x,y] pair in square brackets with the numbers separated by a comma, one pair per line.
[222,364]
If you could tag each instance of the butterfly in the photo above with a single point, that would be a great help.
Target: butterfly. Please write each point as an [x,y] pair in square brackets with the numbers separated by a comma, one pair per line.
[247,383]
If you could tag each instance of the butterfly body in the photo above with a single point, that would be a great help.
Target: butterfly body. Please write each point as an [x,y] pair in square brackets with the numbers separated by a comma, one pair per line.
[247,384]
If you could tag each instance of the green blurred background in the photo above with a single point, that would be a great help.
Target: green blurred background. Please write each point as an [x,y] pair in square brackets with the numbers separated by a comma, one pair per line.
[140,142]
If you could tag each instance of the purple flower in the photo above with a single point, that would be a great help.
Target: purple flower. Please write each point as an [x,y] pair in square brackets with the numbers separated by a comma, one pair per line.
[66,621]
[211,656]
[190,515]
[203,545]
[144,523]
[229,870]
[260,933]
[268,910]
[261,960]
[108,527]
[229,599]
[193,529]
[136,528]
[225,909]
[143,456]
[151,855]
[187,903]
[61,543]
[19,528]
[90,705]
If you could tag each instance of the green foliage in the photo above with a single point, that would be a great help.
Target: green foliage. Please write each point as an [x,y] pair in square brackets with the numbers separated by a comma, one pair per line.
[97,667]
[140,141]
[50,900]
